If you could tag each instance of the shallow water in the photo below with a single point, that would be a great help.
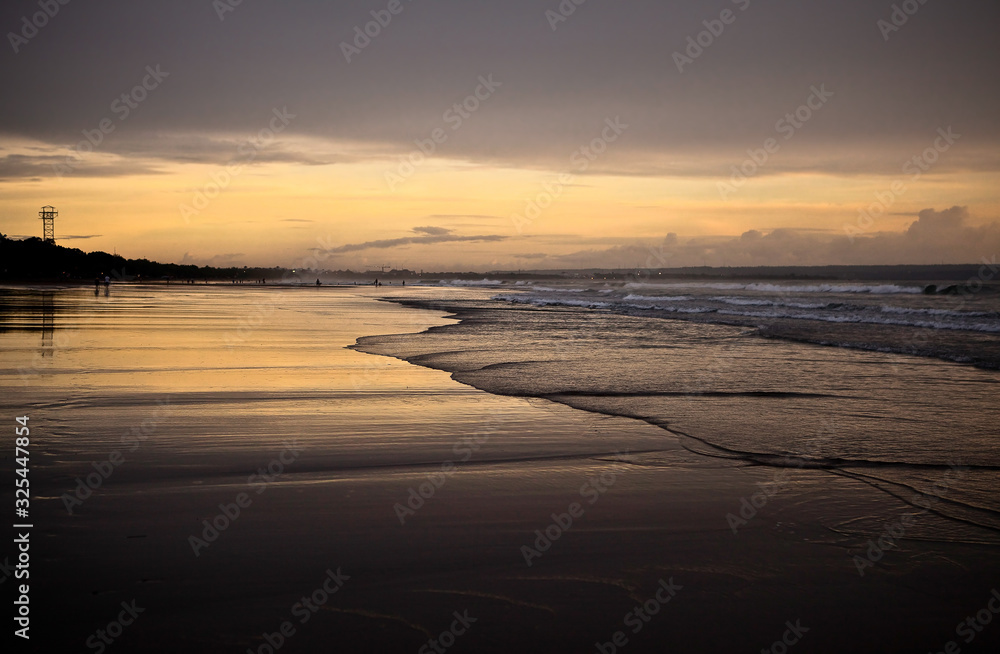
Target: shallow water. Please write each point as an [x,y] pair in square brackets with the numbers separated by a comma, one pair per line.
[909,425]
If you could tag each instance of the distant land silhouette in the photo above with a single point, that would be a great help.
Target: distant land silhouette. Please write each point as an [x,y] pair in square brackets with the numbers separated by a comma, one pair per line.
[34,260]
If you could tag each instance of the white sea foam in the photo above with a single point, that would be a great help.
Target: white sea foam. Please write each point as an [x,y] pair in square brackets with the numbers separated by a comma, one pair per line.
[877,289]
[746,302]
[657,298]
[938,312]
[769,309]
[552,301]
[472,282]
[868,318]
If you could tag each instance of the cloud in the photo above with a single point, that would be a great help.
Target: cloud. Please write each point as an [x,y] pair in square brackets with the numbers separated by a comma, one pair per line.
[144,153]
[944,236]
[934,224]
[607,62]
[466,215]
[36,167]
[59,237]
[432,231]
[412,240]
[231,149]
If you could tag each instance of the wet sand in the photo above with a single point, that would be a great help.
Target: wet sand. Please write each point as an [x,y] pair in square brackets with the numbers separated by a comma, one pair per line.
[231,381]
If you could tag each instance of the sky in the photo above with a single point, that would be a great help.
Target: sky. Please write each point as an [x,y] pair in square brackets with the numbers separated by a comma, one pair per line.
[474,135]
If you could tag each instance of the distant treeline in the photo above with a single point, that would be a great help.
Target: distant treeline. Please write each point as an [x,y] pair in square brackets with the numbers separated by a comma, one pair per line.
[35,260]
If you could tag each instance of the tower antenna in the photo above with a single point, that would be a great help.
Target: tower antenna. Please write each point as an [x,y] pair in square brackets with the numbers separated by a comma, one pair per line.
[48,215]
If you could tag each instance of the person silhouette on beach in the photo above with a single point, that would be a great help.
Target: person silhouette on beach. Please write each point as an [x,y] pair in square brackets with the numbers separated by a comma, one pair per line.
[317,283]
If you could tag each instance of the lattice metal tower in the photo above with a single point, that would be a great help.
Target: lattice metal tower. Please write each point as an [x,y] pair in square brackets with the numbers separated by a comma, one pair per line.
[48,215]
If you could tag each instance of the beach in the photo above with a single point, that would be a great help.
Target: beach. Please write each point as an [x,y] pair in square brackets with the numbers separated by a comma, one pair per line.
[442,469]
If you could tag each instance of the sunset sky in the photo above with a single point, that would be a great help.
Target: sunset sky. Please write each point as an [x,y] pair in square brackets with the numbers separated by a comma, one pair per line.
[268,132]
